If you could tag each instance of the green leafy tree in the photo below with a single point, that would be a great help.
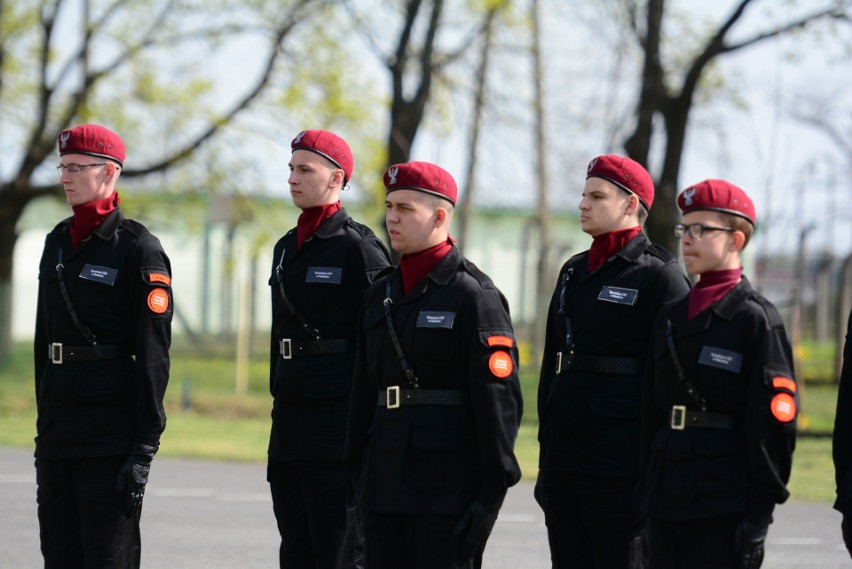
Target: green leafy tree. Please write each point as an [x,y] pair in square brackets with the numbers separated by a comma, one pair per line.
[139,67]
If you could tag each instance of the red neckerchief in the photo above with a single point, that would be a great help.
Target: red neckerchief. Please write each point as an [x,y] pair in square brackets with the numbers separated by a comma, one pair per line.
[606,245]
[310,219]
[416,266]
[90,215]
[710,289]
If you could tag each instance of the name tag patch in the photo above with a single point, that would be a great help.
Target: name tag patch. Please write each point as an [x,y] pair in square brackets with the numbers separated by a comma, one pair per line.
[99,274]
[327,275]
[435,319]
[722,359]
[626,296]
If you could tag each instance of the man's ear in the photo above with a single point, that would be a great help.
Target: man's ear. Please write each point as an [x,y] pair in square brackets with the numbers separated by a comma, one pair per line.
[739,239]
[632,205]
[440,216]
[337,176]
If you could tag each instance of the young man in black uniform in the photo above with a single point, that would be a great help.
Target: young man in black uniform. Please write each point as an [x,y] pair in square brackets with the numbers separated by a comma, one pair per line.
[720,400]
[842,441]
[598,325]
[103,330]
[436,402]
[320,271]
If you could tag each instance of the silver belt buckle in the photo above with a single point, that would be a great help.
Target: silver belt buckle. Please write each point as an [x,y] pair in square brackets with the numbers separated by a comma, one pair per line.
[558,363]
[56,352]
[392,397]
[286,347]
[678,418]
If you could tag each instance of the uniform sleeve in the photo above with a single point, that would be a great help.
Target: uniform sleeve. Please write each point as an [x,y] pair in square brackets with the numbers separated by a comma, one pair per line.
[669,285]
[40,338]
[151,291]
[842,440]
[273,334]
[495,395]
[362,404]
[652,417]
[772,401]
[375,258]
[548,366]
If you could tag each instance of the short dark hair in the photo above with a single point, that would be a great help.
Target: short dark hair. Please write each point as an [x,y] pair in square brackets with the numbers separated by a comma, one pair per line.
[739,223]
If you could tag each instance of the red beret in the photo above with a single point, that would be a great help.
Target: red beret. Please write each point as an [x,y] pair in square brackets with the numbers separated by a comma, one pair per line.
[625,173]
[93,140]
[717,195]
[422,177]
[329,145]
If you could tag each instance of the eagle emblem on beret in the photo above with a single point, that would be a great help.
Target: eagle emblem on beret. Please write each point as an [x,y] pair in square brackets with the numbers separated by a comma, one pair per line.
[63,138]
[299,136]
[591,165]
[689,196]
[392,173]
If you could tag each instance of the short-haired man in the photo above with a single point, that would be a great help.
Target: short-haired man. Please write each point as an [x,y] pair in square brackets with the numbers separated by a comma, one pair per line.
[102,337]
[720,399]
[320,270]
[436,402]
[598,326]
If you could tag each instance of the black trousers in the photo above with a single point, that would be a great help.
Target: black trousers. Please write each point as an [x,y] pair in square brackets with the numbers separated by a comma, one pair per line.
[591,523]
[409,541]
[309,499]
[82,520]
[694,544]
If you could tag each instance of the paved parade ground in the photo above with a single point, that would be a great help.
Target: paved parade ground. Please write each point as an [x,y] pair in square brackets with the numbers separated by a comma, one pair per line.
[219,515]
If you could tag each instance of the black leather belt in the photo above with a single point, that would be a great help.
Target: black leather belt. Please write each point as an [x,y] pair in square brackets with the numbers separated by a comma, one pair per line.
[681,418]
[59,353]
[393,397]
[593,364]
[290,348]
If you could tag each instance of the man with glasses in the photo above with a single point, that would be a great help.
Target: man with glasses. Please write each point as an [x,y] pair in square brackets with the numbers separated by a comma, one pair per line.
[720,400]
[102,337]
[320,270]
[598,326]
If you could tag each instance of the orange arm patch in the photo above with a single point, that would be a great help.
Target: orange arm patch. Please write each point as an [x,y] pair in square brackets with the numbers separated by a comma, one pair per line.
[501,365]
[783,407]
[784,383]
[158,301]
[160,278]
[504,341]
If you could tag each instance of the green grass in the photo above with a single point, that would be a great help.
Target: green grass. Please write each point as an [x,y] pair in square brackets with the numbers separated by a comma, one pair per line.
[220,424]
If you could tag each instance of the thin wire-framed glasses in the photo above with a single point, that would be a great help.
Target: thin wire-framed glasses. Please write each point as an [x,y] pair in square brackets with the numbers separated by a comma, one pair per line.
[696,230]
[74,168]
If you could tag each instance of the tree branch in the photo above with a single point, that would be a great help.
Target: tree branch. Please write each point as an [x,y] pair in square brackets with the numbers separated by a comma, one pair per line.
[296,15]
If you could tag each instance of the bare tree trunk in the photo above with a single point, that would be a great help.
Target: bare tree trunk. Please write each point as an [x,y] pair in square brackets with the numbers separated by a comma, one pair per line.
[8,237]
[463,212]
[542,217]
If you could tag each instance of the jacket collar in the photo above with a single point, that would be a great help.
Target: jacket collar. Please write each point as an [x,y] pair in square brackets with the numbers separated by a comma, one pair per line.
[107,228]
[331,225]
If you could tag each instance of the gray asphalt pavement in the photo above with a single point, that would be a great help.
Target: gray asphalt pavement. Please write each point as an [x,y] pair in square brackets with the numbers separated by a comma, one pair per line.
[219,516]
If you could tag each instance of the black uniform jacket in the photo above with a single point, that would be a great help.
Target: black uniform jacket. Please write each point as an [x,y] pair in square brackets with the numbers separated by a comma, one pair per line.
[589,420]
[737,356]
[842,443]
[119,281]
[325,281]
[436,459]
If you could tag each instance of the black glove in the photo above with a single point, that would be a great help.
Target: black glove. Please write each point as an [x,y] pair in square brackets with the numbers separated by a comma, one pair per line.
[477,521]
[846,530]
[133,476]
[749,540]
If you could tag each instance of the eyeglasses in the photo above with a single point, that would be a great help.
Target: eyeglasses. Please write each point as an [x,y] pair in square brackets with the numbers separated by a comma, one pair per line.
[696,230]
[74,168]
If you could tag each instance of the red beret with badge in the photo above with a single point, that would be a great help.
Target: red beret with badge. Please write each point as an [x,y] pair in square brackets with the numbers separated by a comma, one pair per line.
[93,140]
[625,173]
[717,195]
[330,146]
[422,177]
